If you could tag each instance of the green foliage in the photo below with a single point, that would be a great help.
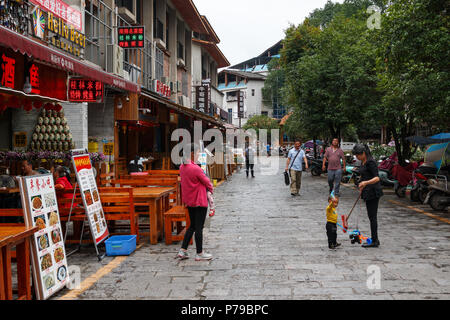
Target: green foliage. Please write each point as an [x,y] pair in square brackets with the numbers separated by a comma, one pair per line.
[273,85]
[413,69]
[341,78]
[261,122]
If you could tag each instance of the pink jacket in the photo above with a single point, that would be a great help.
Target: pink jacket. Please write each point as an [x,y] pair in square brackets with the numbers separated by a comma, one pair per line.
[194,184]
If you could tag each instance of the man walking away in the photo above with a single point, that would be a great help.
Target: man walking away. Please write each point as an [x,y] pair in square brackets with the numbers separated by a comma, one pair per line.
[249,159]
[333,155]
[294,167]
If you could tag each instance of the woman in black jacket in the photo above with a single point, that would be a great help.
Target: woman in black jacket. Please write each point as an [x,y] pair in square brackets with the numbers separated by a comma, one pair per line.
[370,189]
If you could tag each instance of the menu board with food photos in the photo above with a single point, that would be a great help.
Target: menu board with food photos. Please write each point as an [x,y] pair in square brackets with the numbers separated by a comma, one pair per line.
[90,195]
[39,201]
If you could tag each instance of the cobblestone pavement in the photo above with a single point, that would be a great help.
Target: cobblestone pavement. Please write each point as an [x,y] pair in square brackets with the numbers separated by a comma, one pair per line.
[270,245]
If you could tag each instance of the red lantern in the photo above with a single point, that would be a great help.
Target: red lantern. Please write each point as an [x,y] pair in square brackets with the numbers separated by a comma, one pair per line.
[14,102]
[27,105]
[58,107]
[48,106]
[37,104]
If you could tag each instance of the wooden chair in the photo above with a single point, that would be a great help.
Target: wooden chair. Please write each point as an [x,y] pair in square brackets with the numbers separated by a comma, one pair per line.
[118,205]
[12,213]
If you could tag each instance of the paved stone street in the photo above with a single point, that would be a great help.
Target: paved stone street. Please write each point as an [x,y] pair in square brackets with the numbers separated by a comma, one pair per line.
[270,245]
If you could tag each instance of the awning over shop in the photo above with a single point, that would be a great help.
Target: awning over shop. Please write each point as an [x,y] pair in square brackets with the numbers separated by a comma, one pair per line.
[185,110]
[61,61]
[137,124]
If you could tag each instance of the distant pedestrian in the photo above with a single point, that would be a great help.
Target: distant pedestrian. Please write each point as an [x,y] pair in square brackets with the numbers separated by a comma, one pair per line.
[334,155]
[370,189]
[249,160]
[294,167]
[332,218]
[194,186]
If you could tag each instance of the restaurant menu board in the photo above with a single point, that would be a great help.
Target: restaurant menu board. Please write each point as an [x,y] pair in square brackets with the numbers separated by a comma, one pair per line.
[91,197]
[48,252]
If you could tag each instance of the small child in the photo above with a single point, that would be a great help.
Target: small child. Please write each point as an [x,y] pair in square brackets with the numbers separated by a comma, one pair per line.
[212,207]
[332,217]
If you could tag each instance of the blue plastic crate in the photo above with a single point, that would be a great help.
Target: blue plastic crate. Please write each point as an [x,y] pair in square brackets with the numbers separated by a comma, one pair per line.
[120,245]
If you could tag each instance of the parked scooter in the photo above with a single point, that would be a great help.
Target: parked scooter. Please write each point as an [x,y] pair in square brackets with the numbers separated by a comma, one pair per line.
[351,172]
[316,167]
[419,187]
[439,195]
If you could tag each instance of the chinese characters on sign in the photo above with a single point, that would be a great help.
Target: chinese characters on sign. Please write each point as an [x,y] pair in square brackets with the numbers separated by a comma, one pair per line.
[163,89]
[240,95]
[202,98]
[34,79]
[48,252]
[83,90]
[63,10]
[131,37]
[8,71]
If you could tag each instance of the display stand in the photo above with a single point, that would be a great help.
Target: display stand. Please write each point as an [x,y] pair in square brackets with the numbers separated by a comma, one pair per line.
[91,200]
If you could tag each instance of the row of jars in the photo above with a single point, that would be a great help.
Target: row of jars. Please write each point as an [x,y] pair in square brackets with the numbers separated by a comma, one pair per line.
[52,145]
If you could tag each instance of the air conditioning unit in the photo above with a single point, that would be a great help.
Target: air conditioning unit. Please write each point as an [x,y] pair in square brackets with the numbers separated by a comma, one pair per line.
[126,75]
[181,63]
[186,101]
[160,44]
[135,73]
[127,15]
[179,86]
[115,59]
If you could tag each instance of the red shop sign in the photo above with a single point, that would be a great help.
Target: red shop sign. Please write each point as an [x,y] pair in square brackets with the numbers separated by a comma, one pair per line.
[85,90]
[16,70]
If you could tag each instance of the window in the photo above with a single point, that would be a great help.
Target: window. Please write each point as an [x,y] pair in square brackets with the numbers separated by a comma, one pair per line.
[230,115]
[265,113]
[253,92]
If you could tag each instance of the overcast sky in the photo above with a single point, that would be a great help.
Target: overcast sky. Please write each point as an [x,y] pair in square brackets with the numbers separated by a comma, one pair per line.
[247,28]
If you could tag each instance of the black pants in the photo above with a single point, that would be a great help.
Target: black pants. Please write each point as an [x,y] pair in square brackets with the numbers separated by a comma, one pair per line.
[197,216]
[372,210]
[250,166]
[331,233]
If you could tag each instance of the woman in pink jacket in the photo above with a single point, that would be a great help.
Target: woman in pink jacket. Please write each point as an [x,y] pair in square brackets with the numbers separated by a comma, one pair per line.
[194,185]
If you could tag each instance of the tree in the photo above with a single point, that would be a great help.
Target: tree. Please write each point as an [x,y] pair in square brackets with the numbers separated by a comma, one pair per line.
[332,83]
[261,122]
[413,69]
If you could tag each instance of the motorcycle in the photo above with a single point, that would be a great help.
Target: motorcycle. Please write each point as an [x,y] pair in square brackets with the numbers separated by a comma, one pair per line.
[385,170]
[439,195]
[351,172]
[316,167]
[419,185]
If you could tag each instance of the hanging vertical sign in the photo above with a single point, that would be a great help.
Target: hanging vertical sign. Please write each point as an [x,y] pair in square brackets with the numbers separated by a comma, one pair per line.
[240,96]
[50,270]
[90,195]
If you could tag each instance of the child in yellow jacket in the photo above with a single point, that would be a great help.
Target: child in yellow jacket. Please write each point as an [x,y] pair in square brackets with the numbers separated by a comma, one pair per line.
[332,218]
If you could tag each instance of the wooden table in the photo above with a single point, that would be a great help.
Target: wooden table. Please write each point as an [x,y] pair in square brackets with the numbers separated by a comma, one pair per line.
[9,190]
[158,200]
[18,237]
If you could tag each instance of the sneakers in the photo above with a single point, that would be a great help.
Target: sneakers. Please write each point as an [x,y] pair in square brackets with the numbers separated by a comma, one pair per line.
[334,246]
[182,255]
[375,244]
[203,256]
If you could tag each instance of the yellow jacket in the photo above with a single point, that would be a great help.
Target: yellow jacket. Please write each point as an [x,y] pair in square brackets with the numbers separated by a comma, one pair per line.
[332,215]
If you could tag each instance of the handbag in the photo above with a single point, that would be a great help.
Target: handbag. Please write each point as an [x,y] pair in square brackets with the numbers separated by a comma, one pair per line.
[287,178]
